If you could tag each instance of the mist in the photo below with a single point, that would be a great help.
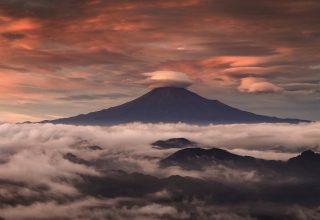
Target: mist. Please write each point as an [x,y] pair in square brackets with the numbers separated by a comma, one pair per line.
[89,172]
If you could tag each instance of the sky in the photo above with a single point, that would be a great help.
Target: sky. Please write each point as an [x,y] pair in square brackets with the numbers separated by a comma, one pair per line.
[65,57]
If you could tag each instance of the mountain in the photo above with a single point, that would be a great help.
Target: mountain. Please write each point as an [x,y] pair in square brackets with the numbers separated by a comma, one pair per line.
[173,143]
[197,158]
[170,105]
[306,161]
[305,164]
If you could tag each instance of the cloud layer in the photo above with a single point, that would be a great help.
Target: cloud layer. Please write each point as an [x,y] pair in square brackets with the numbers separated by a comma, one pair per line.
[69,178]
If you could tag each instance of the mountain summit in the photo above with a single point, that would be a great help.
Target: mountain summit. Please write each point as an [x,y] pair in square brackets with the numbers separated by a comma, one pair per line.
[170,105]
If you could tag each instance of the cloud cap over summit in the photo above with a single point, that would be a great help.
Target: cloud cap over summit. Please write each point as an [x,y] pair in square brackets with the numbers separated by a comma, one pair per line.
[165,78]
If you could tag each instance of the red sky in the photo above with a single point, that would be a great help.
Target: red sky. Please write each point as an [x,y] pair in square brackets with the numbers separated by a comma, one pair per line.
[65,57]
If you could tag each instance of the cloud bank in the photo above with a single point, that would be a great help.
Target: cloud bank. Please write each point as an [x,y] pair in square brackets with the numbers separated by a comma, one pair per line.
[69,178]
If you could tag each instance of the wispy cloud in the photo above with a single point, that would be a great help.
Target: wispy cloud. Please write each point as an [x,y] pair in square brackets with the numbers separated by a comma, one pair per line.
[115,43]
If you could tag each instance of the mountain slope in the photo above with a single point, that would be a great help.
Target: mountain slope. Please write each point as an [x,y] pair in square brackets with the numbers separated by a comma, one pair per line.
[305,164]
[170,105]
[173,143]
[196,158]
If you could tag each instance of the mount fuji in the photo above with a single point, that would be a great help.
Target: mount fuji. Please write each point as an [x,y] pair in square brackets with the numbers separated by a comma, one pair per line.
[171,105]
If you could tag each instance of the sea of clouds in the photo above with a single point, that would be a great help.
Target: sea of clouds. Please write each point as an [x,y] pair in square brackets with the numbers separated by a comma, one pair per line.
[38,182]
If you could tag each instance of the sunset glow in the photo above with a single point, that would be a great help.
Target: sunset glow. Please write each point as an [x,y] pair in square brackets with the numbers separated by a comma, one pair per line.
[159,109]
[50,53]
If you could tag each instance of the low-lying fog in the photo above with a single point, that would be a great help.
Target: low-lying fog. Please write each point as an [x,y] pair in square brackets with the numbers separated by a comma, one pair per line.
[86,172]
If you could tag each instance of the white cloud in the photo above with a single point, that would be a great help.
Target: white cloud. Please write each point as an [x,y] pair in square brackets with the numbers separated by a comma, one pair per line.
[167,79]
[38,149]
[32,155]
[258,85]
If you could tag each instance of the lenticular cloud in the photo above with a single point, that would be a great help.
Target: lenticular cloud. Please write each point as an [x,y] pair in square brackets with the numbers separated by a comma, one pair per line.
[167,79]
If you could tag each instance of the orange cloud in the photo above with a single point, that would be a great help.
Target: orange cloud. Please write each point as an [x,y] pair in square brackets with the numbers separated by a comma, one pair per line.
[48,51]
[23,24]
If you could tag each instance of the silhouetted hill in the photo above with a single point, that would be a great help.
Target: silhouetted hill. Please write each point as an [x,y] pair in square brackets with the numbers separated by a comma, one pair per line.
[307,156]
[173,143]
[307,161]
[306,164]
[196,158]
[171,105]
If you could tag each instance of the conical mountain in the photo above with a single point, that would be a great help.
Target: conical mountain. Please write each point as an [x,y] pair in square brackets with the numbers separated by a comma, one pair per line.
[171,105]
